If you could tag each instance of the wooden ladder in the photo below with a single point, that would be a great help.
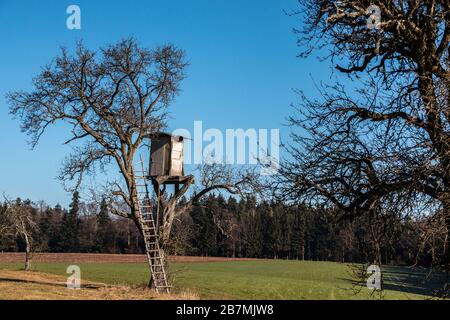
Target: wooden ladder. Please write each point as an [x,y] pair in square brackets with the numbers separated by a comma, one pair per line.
[150,233]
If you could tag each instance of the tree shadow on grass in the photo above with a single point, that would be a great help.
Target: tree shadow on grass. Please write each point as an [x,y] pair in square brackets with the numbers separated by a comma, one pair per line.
[408,280]
[414,280]
[55,284]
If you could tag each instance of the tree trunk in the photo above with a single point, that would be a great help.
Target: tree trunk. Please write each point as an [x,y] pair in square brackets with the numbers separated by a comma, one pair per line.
[446,258]
[28,256]
[447,244]
[446,211]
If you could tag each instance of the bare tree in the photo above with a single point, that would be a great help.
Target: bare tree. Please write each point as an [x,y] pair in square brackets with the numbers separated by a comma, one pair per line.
[19,221]
[213,177]
[384,144]
[113,100]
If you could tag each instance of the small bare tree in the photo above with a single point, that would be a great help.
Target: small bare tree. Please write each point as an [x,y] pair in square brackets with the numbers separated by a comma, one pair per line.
[20,221]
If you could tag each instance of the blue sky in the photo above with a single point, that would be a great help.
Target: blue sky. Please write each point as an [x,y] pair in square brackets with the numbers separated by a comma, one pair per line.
[243,67]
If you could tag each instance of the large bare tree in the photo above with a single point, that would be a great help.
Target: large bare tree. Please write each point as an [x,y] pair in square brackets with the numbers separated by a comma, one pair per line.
[114,100]
[383,144]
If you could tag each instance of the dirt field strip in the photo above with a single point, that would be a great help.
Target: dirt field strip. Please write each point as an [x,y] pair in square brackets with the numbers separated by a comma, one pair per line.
[104,258]
[21,285]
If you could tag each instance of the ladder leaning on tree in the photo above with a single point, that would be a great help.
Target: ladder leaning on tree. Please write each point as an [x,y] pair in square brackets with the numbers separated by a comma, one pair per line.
[150,233]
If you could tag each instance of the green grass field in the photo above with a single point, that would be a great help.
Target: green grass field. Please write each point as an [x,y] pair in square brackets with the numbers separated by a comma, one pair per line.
[259,279]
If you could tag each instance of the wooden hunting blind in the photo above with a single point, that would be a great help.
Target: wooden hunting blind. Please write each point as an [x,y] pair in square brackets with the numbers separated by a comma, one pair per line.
[166,168]
[166,157]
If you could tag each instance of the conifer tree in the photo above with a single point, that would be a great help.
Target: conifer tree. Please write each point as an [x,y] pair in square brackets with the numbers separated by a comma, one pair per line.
[104,236]
[70,226]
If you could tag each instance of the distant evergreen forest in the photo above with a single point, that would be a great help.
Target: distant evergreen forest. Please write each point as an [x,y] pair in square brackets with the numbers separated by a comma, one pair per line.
[228,228]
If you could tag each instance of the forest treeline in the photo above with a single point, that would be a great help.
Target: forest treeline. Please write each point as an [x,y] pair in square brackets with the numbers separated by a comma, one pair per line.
[231,228]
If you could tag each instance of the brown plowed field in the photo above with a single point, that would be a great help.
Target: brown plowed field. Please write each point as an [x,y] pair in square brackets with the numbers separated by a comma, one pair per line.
[103,258]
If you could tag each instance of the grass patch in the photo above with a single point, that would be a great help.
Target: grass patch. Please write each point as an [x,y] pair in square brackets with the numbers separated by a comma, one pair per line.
[255,279]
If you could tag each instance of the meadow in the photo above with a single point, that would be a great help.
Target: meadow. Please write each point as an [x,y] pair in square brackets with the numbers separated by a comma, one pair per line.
[280,279]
